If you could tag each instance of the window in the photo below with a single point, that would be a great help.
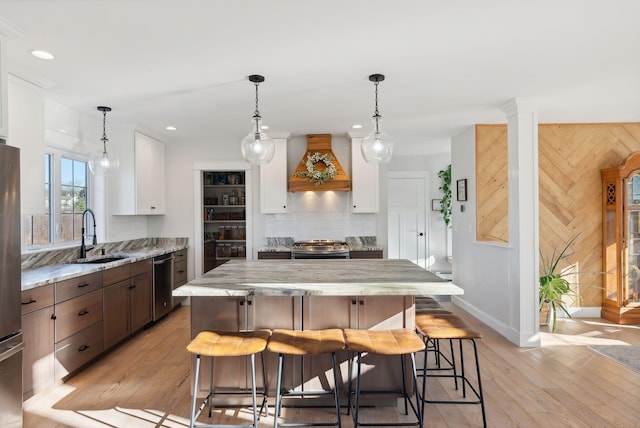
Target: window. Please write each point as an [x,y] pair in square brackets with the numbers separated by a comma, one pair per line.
[66,196]
[73,198]
[38,226]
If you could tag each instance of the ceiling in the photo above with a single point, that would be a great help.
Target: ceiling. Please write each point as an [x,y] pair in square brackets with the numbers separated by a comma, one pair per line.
[448,64]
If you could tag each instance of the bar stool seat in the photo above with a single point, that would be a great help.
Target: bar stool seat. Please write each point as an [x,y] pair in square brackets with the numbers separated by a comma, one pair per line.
[301,343]
[399,342]
[436,327]
[227,344]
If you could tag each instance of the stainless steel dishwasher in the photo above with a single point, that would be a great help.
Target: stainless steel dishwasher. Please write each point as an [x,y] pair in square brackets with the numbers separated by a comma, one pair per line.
[162,285]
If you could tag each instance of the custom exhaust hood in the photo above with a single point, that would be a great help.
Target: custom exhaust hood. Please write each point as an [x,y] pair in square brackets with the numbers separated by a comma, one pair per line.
[319,146]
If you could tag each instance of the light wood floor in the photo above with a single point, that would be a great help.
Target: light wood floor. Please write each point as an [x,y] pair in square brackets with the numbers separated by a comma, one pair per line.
[146,383]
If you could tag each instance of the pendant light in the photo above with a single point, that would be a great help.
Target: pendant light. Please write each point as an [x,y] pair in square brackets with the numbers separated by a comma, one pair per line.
[257,147]
[103,163]
[377,147]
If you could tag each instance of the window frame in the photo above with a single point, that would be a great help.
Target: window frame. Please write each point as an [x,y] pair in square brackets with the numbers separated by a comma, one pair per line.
[55,200]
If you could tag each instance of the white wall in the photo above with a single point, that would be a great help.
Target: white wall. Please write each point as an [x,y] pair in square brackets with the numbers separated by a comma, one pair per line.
[480,268]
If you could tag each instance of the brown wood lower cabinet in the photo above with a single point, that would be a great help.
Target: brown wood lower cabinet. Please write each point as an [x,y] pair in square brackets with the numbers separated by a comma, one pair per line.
[128,304]
[78,323]
[274,255]
[38,335]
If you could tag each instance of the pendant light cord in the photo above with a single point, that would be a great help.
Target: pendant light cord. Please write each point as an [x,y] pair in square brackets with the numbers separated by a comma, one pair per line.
[256,114]
[104,132]
[376,115]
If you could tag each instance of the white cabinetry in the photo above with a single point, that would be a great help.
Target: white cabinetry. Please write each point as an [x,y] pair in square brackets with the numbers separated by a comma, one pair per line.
[3,88]
[273,181]
[140,180]
[364,181]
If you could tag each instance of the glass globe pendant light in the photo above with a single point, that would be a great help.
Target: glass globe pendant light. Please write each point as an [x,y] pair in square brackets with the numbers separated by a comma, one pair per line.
[377,147]
[257,147]
[104,163]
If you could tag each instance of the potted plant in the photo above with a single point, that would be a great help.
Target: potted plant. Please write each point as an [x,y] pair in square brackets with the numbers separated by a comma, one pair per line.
[554,284]
[445,202]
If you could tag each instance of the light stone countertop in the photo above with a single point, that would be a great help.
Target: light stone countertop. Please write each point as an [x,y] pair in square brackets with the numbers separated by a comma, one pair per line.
[39,276]
[327,277]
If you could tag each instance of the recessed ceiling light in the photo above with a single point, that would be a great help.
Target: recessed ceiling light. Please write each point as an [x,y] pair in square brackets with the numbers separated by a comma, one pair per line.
[170,128]
[264,127]
[356,126]
[42,54]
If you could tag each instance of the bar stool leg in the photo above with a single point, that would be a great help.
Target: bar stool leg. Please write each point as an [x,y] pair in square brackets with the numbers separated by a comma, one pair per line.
[278,391]
[210,388]
[404,385]
[195,393]
[253,390]
[336,393]
[419,411]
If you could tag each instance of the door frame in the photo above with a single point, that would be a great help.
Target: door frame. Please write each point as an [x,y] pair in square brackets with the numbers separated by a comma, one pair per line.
[424,175]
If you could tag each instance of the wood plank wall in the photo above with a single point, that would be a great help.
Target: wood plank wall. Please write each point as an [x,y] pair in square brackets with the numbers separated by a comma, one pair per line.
[492,202]
[570,159]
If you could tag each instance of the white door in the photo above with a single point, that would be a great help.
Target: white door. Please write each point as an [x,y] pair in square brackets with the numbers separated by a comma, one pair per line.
[407,225]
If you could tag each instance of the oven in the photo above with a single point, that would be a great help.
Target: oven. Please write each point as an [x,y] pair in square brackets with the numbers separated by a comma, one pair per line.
[320,249]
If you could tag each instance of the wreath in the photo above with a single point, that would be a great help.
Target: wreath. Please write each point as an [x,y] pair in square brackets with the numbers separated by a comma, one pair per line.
[314,175]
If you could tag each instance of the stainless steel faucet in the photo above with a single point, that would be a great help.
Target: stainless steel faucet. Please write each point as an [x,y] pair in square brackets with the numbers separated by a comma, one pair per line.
[83,248]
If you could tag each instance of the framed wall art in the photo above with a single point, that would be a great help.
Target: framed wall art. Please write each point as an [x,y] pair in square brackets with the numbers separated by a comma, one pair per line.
[462,189]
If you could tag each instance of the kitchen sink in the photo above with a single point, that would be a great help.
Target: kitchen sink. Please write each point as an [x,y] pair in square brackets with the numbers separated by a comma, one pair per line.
[100,260]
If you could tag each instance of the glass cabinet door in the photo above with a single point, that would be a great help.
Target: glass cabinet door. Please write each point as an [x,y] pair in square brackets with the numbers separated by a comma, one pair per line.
[631,287]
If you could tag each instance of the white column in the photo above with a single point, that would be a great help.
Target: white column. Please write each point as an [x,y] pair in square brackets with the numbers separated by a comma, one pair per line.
[522,123]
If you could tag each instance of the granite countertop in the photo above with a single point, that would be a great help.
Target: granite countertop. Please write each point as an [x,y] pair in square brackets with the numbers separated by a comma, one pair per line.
[284,248]
[274,249]
[43,275]
[326,277]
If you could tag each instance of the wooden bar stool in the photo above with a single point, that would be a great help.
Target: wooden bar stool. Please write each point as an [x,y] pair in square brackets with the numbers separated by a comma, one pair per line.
[228,344]
[399,342]
[436,327]
[306,342]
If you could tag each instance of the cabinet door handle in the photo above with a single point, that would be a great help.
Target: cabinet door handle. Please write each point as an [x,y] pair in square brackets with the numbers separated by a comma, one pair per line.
[83,348]
[83,312]
[180,271]
[241,302]
[353,302]
[53,317]
[153,208]
[84,284]
[361,302]
[248,302]
[354,206]
[29,302]
[131,287]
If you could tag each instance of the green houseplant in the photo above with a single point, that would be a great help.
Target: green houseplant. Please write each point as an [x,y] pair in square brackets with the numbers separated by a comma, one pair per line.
[554,284]
[445,202]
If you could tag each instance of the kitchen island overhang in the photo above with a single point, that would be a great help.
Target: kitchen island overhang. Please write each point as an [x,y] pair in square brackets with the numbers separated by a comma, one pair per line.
[310,294]
[318,277]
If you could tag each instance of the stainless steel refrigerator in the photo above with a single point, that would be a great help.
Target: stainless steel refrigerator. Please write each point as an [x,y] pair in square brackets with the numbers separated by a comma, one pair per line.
[11,343]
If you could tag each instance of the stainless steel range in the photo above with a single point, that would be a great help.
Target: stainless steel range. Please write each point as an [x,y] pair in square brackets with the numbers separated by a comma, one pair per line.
[320,249]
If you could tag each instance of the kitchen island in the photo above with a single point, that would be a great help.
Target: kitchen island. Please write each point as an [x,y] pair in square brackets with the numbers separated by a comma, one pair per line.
[307,295]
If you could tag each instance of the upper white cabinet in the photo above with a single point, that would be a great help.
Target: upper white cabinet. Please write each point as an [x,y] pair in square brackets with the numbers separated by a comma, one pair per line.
[4,125]
[140,180]
[273,181]
[364,181]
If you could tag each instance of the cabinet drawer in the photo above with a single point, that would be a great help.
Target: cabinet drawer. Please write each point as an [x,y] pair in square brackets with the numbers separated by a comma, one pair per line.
[116,274]
[268,255]
[77,314]
[37,298]
[74,287]
[78,349]
[143,266]
[179,273]
[374,254]
[180,256]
